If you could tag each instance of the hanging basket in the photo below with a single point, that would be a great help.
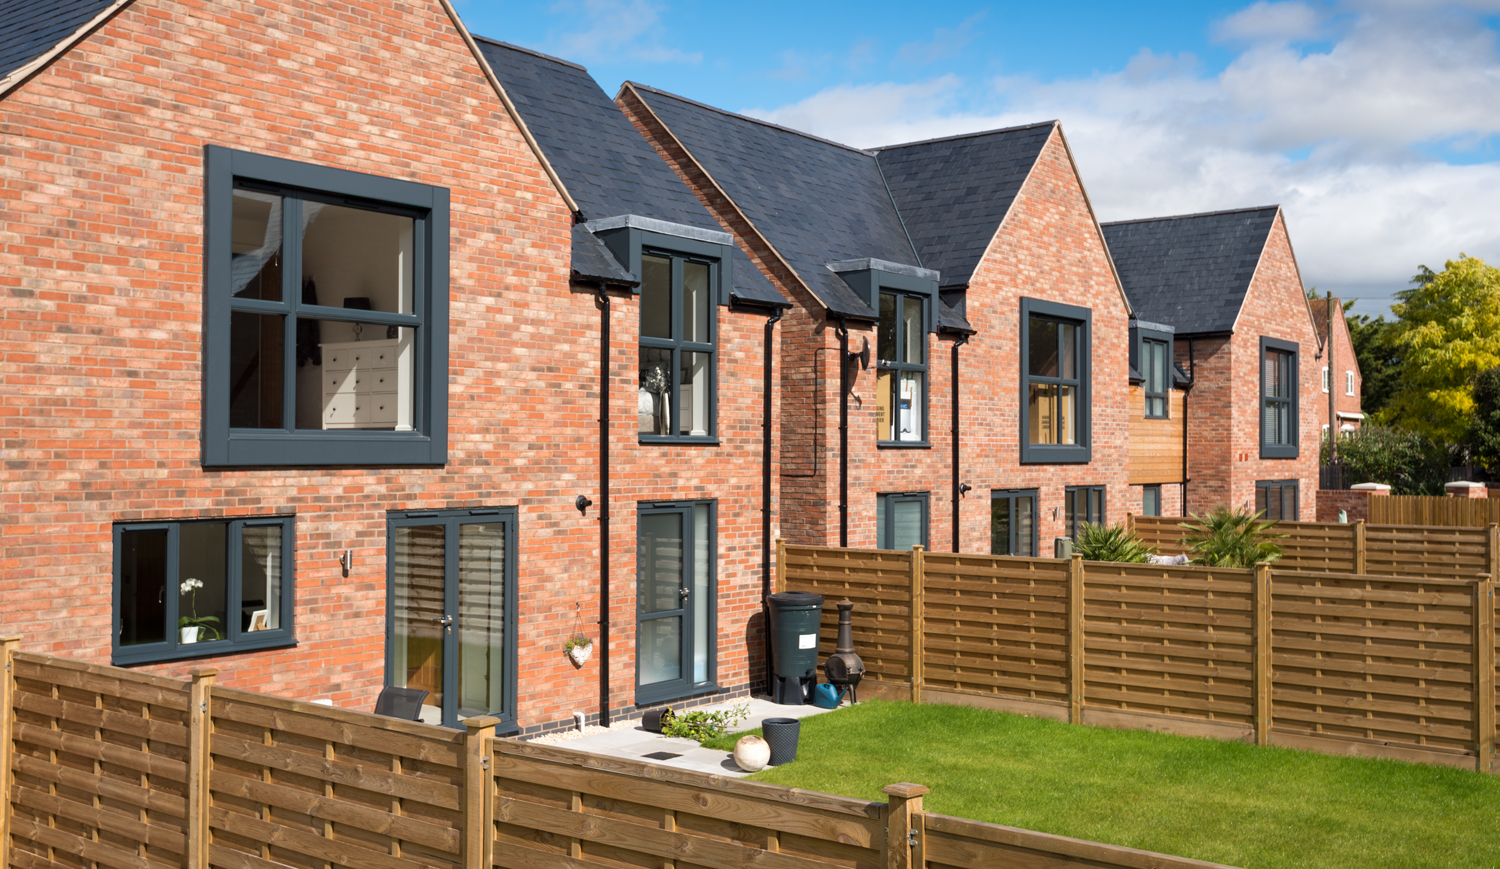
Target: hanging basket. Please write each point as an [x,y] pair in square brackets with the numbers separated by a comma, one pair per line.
[580,654]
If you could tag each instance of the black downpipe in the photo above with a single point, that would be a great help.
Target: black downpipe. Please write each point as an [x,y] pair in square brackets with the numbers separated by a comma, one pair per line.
[843,333]
[603,301]
[765,496]
[957,493]
[1192,381]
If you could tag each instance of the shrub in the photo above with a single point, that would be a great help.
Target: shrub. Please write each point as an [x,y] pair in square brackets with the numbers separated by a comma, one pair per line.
[703,725]
[1111,543]
[1230,538]
[1404,460]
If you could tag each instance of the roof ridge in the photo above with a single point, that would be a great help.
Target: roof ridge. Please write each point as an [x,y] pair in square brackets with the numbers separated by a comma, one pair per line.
[975,134]
[742,117]
[531,51]
[1186,216]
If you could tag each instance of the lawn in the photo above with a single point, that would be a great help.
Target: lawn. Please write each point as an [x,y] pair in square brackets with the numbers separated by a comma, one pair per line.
[1226,802]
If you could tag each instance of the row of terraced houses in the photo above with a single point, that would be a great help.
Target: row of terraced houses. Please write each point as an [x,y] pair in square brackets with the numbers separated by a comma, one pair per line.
[344,349]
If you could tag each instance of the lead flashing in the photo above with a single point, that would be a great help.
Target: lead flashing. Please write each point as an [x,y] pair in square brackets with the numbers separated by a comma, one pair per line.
[664,227]
[859,265]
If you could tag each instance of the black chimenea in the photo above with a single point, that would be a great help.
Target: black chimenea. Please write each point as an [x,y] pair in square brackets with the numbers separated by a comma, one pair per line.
[844,668]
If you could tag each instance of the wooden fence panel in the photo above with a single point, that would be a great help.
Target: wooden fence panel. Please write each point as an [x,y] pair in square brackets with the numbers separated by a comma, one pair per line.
[100,767]
[301,785]
[879,584]
[996,629]
[1434,510]
[1175,641]
[1434,553]
[959,843]
[1162,532]
[1374,665]
[560,808]
[1318,546]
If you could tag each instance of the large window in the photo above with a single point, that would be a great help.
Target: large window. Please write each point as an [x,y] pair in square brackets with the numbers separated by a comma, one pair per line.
[1277,499]
[1278,399]
[1054,382]
[676,617]
[901,520]
[678,322]
[326,315]
[1154,369]
[196,588]
[1013,527]
[901,378]
[1082,504]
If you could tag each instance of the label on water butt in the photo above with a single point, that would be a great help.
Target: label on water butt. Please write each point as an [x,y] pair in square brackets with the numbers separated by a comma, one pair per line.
[807,641]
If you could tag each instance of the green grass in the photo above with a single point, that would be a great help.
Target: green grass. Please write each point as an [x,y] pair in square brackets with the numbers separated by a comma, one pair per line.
[1226,802]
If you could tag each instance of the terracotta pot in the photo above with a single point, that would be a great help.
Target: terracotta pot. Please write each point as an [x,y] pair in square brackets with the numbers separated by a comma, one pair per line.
[752,753]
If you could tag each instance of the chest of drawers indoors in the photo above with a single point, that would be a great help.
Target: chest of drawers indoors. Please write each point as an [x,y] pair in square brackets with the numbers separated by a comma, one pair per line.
[366,386]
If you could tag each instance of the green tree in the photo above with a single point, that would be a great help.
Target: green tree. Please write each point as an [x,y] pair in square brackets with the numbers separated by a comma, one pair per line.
[1448,330]
[1379,360]
[1403,459]
[1484,432]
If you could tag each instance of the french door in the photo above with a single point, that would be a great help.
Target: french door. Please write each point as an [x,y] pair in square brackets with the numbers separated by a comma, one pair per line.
[1013,528]
[675,609]
[451,612]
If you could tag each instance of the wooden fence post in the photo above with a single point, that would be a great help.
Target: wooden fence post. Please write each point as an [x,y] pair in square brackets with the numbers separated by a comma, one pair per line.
[200,733]
[1492,549]
[1262,639]
[917,604]
[905,838]
[479,825]
[1075,639]
[780,565]
[1360,547]
[8,647]
[1484,671]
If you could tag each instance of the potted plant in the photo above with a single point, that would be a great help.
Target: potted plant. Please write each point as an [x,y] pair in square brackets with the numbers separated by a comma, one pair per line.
[194,628]
[579,648]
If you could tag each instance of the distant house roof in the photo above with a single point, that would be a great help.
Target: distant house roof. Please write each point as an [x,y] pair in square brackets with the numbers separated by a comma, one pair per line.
[1320,314]
[30,30]
[1191,271]
[606,165]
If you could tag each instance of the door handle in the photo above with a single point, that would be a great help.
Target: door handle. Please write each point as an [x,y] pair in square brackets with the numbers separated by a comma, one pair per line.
[685,592]
[444,620]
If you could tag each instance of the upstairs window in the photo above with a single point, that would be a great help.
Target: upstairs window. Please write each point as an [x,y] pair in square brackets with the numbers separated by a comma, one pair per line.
[1154,368]
[1055,357]
[1348,382]
[679,319]
[901,377]
[1326,379]
[1278,399]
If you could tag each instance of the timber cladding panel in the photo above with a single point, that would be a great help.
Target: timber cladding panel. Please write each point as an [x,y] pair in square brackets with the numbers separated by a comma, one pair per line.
[1156,444]
[100,766]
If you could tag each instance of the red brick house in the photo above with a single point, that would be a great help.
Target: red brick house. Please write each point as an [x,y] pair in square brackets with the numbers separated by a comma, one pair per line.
[302,354]
[959,292]
[1243,332]
[1340,369]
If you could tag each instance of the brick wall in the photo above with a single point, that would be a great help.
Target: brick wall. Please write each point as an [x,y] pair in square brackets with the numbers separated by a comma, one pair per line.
[101,272]
[1343,362]
[1354,502]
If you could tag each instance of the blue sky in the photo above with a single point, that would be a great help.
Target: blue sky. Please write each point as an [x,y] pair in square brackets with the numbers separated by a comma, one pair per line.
[1373,123]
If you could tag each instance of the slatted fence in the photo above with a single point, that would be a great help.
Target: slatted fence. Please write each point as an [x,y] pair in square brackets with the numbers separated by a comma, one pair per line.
[1434,510]
[1387,666]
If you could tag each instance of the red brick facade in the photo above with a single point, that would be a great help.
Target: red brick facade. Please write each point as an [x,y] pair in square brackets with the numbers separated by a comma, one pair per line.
[1345,368]
[101,248]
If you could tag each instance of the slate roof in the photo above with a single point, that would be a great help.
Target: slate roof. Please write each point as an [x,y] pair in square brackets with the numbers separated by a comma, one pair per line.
[952,193]
[593,261]
[1192,271]
[1320,314]
[606,165]
[31,28]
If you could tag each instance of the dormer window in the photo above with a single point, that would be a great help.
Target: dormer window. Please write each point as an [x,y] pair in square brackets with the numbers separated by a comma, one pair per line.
[901,378]
[1154,369]
[677,346]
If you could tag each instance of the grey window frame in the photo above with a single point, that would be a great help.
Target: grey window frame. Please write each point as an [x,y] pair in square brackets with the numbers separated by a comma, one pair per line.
[678,346]
[1140,334]
[1057,454]
[685,687]
[1262,496]
[1348,382]
[1278,451]
[891,498]
[1151,487]
[1166,385]
[452,520]
[897,367]
[173,650]
[1071,494]
[1013,495]
[427,443]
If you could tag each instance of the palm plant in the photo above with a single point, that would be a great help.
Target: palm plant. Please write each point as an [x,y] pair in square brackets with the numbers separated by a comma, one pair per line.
[1111,543]
[1231,538]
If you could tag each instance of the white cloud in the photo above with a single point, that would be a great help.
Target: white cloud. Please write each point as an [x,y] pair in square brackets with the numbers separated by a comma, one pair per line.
[945,42]
[1343,136]
[616,29]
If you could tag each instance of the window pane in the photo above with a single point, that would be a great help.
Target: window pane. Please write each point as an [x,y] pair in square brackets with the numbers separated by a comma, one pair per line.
[1042,350]
[911,330]
[256,363]
[1271,422]
[1272,375]
[661,650]
[1025,525]
[203,581]
[1067,414]
[1041,414]
[653,402]
[1000,526]
[418,610]
[701,596]
[1069,351]
[1070,512]
[1289,503]
[880,530]
[143,587]
[356,258]
[695,391]
[255,246]
[659,562]
[909,406]
[1151,501]
[260,578]
[906,524]
[885,340]
[481,619]
[656,297]
[885,402]
[1260,499]
[1156,366]
[697,302]
[359,377]
[1096,506]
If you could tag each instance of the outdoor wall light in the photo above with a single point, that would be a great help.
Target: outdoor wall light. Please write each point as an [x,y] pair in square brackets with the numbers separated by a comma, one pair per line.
[346,560]
[582,503]
[964,489]
[862,356]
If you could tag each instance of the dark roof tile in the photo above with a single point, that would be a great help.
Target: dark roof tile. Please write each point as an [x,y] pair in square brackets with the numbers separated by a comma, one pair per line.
[31,28]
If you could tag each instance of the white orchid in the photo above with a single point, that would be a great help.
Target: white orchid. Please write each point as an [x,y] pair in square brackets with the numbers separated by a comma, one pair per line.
[191,584]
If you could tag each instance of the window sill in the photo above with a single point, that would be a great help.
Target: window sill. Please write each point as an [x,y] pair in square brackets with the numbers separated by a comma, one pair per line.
[903,445]
[1277,452]
[1048,454]
[190,651]
[645,696]
[685,440]
[1149,416]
